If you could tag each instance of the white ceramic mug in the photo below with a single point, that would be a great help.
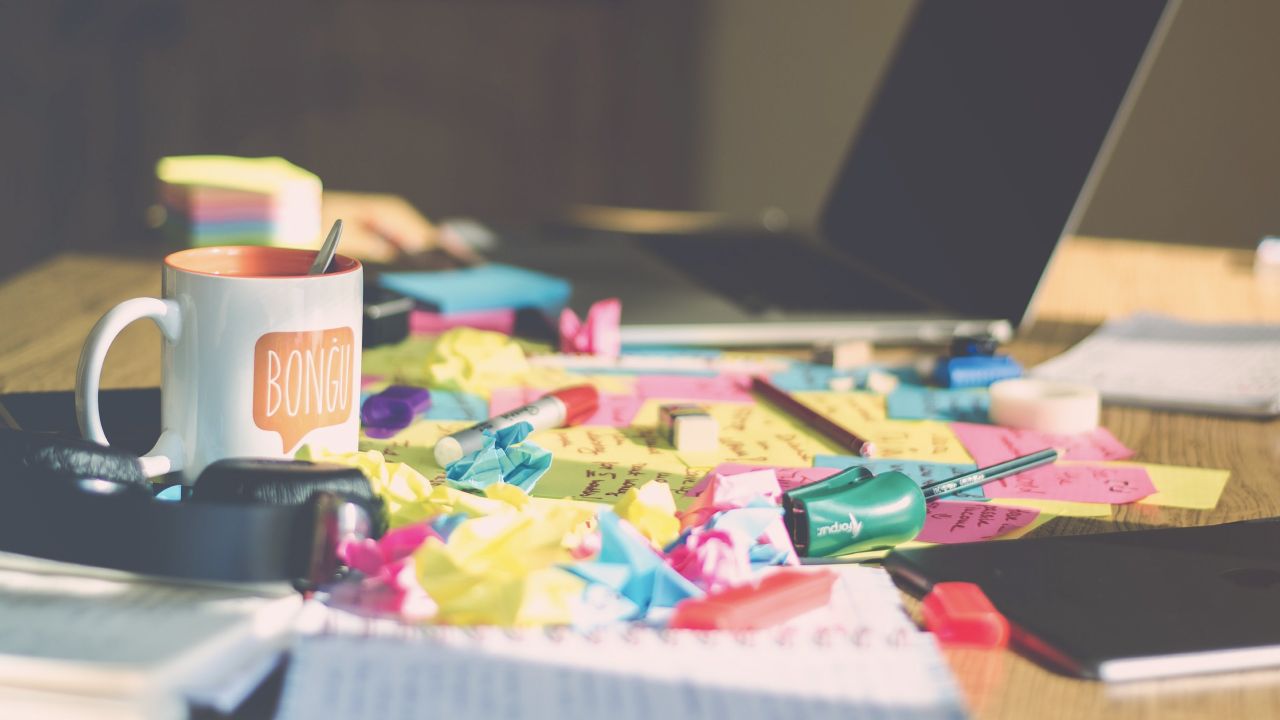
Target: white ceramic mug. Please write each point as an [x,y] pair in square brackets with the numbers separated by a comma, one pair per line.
[258,358]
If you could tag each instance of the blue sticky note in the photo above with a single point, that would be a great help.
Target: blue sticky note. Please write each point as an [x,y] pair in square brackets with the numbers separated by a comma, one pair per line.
[911,402]
[918,470]
[801,376]
[456,405]
[680,350]
[484,287]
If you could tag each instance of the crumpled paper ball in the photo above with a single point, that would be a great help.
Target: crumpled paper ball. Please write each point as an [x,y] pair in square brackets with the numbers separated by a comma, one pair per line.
[503,569]
[474,361]
[713,559]
[506,458]
[651,510]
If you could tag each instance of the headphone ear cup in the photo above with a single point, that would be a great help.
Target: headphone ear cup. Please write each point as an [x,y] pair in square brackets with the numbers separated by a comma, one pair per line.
[284,482]
[43,457]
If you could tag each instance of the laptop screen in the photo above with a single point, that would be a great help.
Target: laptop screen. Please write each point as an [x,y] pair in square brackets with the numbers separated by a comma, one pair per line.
[980,139]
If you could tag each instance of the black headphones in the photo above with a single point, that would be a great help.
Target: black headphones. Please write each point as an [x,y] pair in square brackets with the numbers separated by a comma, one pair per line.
[244,520]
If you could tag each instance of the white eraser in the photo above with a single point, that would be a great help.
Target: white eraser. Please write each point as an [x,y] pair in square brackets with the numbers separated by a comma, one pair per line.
[846,355]
[689,428]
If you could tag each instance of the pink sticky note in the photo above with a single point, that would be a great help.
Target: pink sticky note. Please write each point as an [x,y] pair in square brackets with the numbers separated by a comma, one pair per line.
[614,411]
[367,380]
[788,477]
[506,399]
[721,388]
[991,444]
[957,521]
[1078,483]
[425,322]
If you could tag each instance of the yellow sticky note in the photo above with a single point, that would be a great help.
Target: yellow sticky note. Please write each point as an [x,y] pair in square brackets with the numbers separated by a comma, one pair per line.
[415,445]
[606,481]
[402,362]
[1065,508]
[863,414]
[1041,519]
[264,175]
[1184,487]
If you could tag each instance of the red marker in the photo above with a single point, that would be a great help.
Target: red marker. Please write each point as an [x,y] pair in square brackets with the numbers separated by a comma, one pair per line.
[959,613]
[566,406]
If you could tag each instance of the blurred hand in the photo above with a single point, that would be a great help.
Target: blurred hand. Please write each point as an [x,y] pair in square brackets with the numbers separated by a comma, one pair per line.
[378,227]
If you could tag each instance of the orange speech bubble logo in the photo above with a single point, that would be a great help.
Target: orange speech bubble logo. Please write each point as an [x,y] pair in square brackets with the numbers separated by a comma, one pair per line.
[303,381]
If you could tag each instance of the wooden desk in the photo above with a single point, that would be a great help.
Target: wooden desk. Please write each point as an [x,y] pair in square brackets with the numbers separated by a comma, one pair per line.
[48,311]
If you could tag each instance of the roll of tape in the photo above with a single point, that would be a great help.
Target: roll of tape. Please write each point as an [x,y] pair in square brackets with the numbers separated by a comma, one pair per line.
[1051,407]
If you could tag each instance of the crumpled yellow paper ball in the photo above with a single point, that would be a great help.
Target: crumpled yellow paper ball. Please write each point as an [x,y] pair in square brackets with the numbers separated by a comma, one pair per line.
[651,509]
[502,569]
[475,361]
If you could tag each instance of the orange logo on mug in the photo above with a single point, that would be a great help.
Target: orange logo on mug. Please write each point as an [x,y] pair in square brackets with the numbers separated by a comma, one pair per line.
[302,381]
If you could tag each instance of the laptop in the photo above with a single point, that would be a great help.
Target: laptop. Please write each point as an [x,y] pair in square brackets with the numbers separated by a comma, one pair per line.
[1125,606]
[977,153]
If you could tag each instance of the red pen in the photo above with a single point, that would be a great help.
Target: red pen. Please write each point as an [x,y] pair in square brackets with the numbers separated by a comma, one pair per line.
[780,596]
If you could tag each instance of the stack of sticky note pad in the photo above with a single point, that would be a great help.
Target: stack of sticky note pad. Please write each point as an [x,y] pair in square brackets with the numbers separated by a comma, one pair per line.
[223,200]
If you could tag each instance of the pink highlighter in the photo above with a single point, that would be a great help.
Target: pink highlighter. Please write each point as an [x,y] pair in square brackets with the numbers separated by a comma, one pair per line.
[560,408]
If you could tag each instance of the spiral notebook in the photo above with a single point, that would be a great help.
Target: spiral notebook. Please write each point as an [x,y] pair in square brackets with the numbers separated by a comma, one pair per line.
[861,657]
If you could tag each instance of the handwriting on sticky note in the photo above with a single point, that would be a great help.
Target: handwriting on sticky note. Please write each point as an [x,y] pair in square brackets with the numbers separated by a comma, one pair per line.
[303,380]
[957,521]
[1184,487]
[788,477]
[601,463]
[910,402]
[720,388]
[864,415]
[990,444]
[1076,483]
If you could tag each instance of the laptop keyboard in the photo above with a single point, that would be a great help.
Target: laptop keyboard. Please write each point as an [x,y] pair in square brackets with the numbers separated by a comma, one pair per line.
[767,274]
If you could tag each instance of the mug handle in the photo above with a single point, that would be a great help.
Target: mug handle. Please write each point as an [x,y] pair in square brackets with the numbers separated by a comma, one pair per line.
[167,455]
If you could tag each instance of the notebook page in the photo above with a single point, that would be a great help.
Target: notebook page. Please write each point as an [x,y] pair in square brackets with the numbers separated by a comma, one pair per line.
[878,665]
[1158,361]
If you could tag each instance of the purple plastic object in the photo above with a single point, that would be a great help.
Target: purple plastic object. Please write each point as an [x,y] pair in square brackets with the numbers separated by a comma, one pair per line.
[392,410]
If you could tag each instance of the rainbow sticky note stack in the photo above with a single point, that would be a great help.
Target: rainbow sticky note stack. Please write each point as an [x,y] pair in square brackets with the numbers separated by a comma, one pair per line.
[223,200]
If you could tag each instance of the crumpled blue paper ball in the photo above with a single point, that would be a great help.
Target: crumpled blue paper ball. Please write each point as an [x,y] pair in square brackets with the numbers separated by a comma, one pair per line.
[505,457]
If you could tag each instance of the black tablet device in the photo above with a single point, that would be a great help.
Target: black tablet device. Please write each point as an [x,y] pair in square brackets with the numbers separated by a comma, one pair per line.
[1129,605]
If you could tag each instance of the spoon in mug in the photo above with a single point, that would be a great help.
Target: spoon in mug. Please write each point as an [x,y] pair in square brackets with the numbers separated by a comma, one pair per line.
[325,255]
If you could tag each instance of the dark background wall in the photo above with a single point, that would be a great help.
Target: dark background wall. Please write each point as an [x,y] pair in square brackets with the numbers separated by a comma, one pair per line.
[514,109]
[498,109]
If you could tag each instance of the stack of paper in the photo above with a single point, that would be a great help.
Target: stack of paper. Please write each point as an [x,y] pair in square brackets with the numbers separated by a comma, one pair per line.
[221,200]
[99,647]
